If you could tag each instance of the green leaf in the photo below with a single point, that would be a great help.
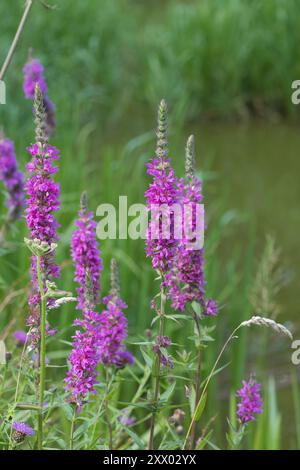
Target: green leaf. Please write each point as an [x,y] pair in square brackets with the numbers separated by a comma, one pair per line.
[167,394]
[68,411]
[200,407]
[147,359]
[136,439]
[192,399]
[81,429]
[197,308]
[204,440]
[213,446]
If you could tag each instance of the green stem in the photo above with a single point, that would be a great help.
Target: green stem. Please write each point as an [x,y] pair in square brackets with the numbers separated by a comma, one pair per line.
[42,353]
[197,379]
[72,429]
[107,414]
[157,369]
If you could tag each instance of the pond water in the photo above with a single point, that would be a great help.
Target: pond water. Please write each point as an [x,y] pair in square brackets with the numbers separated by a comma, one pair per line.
[258,170]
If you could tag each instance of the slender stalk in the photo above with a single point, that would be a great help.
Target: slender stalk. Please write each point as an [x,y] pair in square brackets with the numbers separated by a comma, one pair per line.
[109,427]
[157,368]
[107,416]
[42,353]
[102,405]
[72,428]
[94,439]
[16,39]
[197,380]
[206,384]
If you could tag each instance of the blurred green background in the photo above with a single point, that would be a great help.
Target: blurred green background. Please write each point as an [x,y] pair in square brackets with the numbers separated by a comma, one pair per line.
[225,68]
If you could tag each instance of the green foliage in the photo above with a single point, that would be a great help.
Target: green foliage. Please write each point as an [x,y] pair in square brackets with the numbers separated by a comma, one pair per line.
[209,60]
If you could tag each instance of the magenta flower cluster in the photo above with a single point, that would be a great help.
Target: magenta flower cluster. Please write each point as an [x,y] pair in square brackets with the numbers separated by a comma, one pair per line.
[186,279]
[251,402]
[86,258]
[84,358]
[113,332]
[101,338]
[162,194]
[34,75]
[43,193]
[42,204]
[181,267]
[162,190]
[12,178]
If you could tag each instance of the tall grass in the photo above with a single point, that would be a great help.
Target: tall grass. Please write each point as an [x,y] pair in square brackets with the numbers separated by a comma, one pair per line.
[212,60]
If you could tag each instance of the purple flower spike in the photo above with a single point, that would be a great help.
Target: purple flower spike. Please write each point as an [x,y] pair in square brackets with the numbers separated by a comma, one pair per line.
[42,204]
[81,377]
[163,192]
[251,402]
[113,331]
[86,255]
[84,358]
[12,178]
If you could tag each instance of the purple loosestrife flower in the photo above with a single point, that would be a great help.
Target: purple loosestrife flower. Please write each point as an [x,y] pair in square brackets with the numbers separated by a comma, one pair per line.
[251,402]
[12,178]
[161,196]
[113,330]
[34,75]
[86,255]
[84,358]
[42,204]
[21,430]
[186,280]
